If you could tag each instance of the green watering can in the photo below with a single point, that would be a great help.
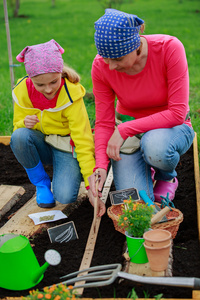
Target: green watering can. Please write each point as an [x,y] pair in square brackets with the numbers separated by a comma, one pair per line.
[19,267]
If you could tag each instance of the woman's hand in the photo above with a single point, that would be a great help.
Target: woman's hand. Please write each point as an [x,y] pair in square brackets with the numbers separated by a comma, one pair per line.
[30,121]
[114,145]
[92,193]
[101,208]
[101,179]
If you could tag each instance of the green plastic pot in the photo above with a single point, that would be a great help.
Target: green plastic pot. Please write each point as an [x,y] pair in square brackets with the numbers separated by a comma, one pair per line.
[136,249]
[19,267]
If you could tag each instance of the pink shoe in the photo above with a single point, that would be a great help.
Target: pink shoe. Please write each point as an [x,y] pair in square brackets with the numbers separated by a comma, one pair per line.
[163,187]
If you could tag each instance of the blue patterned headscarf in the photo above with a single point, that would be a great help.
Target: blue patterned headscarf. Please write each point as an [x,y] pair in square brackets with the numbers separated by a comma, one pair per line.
[117,33]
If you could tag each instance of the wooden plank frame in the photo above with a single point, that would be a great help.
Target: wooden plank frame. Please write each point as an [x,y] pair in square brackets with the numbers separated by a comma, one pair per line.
[5,140]
[195,294]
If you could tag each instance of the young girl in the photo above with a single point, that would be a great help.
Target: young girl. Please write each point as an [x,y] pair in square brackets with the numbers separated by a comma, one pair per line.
[49,101]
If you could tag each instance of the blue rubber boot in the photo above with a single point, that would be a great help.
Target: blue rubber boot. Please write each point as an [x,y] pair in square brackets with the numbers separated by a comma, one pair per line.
[41,180]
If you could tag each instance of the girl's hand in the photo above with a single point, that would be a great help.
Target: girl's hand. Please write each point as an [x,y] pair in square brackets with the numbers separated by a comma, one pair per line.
[92,181]
[114,145]
[101,208]
[30,121]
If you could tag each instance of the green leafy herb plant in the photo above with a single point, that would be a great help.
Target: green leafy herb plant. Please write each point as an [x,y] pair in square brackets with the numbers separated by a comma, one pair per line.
[135,218]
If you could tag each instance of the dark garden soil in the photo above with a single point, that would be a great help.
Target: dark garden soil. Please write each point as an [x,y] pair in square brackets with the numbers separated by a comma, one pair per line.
[110,243]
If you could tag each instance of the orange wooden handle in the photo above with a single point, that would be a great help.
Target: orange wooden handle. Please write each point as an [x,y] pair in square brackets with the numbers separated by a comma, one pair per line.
[159,215]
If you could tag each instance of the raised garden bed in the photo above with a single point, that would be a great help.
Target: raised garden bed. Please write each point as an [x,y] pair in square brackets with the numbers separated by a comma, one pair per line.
[110,243]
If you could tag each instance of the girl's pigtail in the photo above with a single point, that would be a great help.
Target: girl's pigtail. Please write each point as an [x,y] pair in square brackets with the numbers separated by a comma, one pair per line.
[70,74]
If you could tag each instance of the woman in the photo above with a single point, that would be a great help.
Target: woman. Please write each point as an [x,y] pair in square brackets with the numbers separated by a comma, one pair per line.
[148,74]
[49,111]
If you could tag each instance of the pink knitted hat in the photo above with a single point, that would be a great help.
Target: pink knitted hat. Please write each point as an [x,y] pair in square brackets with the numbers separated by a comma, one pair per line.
[42,58]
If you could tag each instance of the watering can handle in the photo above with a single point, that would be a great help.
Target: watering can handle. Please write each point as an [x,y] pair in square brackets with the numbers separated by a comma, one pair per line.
[145,198]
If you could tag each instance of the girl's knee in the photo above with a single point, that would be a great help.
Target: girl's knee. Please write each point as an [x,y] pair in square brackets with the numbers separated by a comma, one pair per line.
[65,197]
[18,140]
[20,135]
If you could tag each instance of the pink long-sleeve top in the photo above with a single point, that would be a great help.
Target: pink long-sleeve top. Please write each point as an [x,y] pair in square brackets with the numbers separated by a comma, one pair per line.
[157,97]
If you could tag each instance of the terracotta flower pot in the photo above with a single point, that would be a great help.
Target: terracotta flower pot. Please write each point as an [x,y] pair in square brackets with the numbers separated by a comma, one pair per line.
[158,257]
[157,237]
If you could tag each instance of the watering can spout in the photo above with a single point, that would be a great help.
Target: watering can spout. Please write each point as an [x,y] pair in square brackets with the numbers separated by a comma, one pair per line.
[52,258]
[40,272]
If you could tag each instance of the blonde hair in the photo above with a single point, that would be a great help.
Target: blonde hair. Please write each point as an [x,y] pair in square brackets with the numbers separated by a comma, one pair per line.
[142,27]
[70,74]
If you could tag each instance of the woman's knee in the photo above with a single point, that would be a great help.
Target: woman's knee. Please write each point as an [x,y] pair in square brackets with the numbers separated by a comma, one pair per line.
[156,150]
[149,145]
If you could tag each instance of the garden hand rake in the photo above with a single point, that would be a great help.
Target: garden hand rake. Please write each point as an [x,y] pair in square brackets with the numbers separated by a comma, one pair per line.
[106,274]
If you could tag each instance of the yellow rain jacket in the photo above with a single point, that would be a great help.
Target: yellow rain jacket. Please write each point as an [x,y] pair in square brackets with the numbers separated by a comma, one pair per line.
[68,117]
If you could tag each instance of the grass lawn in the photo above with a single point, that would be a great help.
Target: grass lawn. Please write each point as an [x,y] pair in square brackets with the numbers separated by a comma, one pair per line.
[71,24]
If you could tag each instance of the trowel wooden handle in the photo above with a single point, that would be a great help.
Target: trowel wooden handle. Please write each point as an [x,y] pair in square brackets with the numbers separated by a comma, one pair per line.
[157,217]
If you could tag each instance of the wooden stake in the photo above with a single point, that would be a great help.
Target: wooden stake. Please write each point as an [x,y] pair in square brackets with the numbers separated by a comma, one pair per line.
[96,199]
[9,44]
[197,178]
[89,249]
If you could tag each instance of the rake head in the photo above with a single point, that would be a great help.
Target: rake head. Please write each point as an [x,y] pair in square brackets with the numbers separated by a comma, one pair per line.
[94,276]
